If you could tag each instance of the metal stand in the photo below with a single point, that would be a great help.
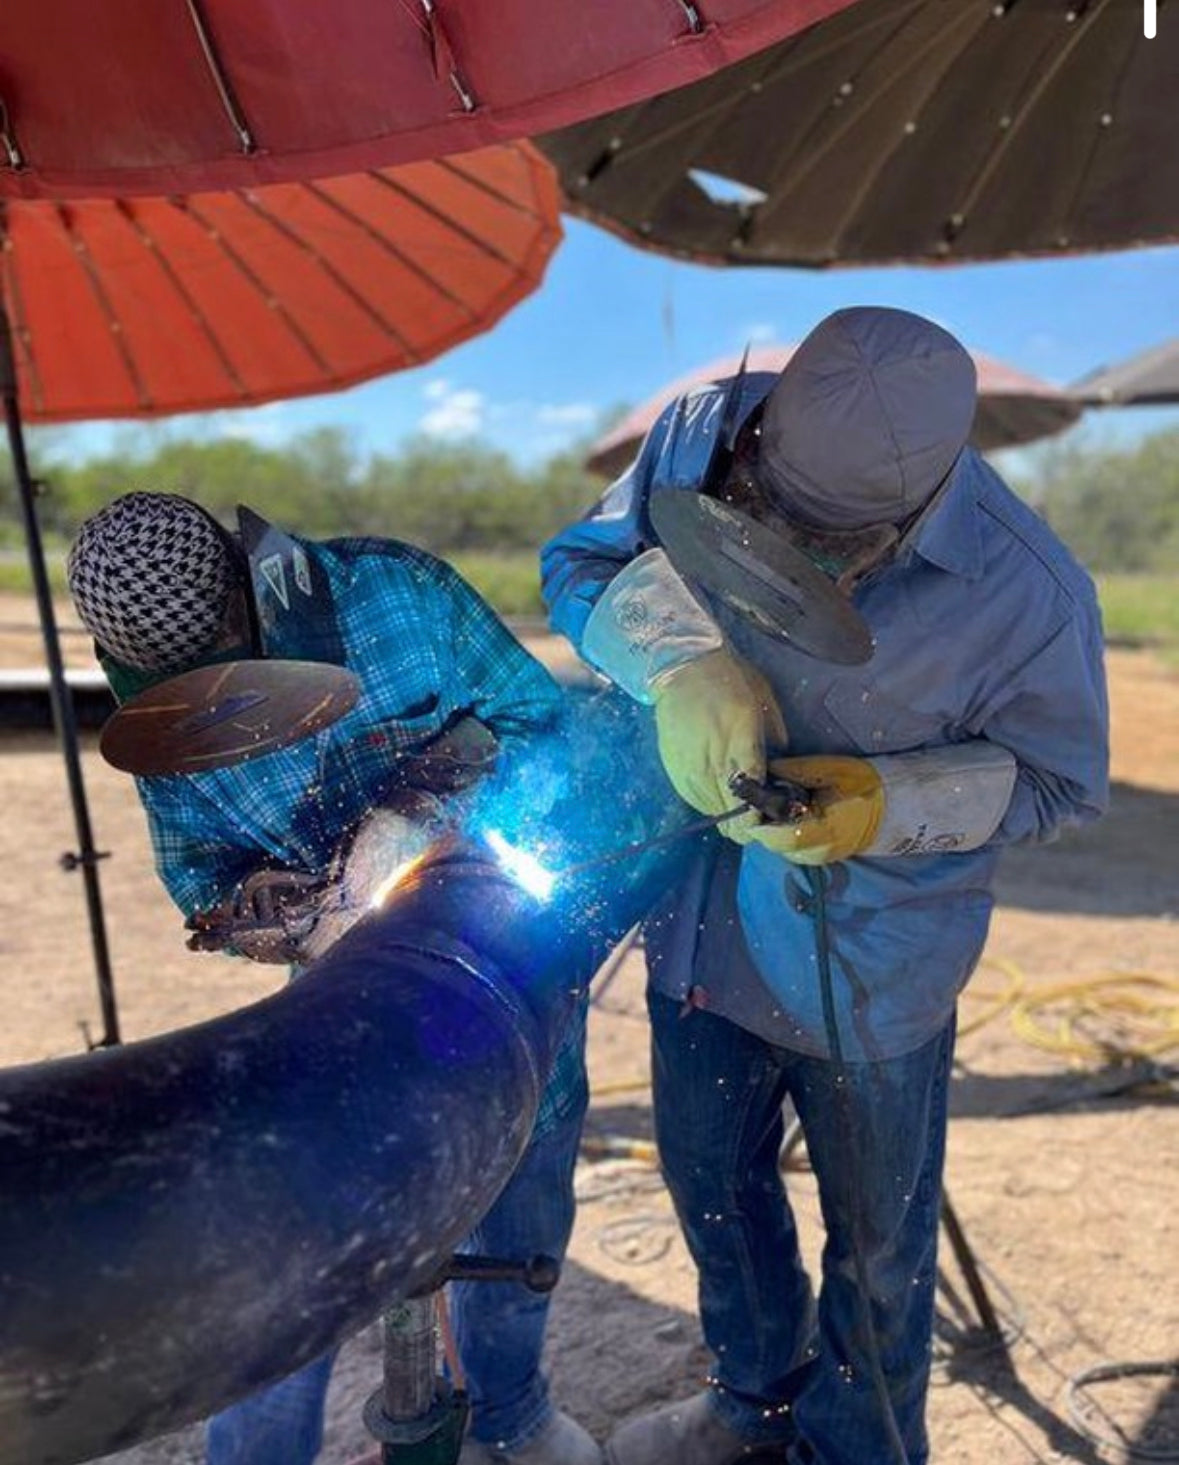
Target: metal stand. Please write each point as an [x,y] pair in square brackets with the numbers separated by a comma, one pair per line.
[86,857]
[417,1416]
[988,1318]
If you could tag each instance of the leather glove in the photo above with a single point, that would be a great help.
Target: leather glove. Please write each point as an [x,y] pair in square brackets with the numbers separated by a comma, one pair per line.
[845,813]
[935,801]
[267,918]
[714,717]
[714,713]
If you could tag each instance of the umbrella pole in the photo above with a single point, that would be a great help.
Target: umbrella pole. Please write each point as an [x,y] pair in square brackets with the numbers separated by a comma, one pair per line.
[61,698]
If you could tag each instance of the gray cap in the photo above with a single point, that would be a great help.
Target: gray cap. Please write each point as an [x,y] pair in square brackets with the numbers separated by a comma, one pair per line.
[866,419]
[151,575]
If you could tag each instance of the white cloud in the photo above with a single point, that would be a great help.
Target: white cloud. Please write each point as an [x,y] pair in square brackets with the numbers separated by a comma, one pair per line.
[458,412]
[267,426]
[568,414]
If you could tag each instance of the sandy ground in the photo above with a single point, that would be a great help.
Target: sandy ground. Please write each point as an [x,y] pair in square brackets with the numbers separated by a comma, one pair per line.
[1063,1170]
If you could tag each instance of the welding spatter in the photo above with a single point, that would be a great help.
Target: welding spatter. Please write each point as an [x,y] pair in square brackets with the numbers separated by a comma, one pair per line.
[778,801]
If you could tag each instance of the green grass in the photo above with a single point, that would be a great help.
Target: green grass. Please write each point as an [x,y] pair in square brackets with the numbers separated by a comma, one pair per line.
[509,582]
[1141,610]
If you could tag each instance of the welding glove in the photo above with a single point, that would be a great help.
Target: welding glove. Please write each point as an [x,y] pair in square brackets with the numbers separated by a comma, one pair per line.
[714,713]
[938,801]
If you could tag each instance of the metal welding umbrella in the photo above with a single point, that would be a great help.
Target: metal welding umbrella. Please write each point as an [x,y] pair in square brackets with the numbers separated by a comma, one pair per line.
[132,96]
[147,306]
[1012,406]
[1148,379]
[902,130]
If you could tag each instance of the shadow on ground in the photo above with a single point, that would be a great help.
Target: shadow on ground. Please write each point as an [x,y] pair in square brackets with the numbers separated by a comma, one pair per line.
[1126,864]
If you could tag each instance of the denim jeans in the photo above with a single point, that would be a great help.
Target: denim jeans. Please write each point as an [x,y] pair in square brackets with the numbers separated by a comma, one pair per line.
[499,1326]
[875,1136]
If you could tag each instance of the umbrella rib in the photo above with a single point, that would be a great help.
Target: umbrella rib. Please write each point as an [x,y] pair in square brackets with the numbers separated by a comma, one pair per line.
[453,165]
[329,269]
[1127,62]
[812,157]
[386,244]
[174,278]
[229,102]
[258,284]
[1080,25]
[19,332]
[452,223]
[85,260]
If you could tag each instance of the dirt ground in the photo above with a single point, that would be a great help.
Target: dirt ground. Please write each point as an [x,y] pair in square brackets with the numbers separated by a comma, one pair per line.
[1063,1168]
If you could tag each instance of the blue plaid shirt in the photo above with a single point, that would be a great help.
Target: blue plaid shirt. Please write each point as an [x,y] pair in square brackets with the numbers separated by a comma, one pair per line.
[426,648]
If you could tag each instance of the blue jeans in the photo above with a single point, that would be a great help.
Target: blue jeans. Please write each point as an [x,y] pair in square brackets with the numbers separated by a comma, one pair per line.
[875,1135]
[499,1326]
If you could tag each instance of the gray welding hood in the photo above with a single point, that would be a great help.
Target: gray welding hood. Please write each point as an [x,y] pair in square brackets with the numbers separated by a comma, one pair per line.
[866,420]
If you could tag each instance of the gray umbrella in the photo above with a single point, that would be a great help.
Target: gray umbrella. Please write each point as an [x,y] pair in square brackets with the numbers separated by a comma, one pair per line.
[1151,378]
[922,130]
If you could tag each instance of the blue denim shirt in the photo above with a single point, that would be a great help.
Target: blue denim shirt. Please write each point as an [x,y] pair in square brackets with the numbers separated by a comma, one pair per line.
[985,628]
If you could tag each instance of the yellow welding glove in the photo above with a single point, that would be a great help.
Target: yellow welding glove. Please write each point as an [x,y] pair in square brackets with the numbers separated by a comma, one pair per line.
[715,715]
[847,808]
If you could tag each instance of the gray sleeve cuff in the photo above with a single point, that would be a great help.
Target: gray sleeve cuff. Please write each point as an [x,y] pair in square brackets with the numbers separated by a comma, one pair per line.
[942,800]
[647,623]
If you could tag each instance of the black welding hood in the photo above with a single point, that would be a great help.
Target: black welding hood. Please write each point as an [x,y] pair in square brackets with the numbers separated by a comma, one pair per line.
[293,613]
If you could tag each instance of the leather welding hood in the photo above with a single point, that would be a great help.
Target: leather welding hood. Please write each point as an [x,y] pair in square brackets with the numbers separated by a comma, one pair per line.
[866,420]
[292,609]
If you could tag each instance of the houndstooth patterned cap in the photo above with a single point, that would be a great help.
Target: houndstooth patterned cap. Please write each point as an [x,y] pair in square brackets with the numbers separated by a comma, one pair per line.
[151,575]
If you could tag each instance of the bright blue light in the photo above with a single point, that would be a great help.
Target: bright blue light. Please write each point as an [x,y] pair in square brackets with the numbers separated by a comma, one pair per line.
[526,869]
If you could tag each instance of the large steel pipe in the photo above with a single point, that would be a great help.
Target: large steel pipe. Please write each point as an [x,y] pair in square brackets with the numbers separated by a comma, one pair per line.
[189,1217]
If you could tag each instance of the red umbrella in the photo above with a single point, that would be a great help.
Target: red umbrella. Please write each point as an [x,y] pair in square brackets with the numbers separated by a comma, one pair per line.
[1013,407]
[134,96]
[147,306]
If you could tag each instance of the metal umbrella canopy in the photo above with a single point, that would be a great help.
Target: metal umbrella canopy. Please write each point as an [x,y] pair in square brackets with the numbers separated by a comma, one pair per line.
[148,306]
[902,130]
[1149,378]
[132,96]
[1013,407]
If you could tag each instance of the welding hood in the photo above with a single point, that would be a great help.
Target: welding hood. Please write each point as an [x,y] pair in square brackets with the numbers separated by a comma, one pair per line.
[292,610]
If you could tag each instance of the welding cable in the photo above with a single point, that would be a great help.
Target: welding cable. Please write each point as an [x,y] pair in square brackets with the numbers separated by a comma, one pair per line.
[1111,997]
[1081,1409]
[997,1002]
[817,879]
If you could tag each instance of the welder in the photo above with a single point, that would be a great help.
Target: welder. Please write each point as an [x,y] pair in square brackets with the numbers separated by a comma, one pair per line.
[812,577]
[273,857]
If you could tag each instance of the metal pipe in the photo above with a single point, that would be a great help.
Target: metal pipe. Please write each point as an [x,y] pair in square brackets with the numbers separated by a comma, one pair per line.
[87,857]
[190,1217]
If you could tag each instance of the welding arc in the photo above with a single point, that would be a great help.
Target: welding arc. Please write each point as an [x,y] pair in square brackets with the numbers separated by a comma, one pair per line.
[630,851]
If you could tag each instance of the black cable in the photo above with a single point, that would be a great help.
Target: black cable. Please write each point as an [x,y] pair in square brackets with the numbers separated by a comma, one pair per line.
[817,879]
[1103,1372]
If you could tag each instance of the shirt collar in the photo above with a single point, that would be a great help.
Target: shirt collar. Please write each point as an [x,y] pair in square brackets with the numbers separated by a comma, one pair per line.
[951,537]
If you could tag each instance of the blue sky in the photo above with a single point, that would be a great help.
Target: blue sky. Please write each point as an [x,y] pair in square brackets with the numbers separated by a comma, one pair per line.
[611,324]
